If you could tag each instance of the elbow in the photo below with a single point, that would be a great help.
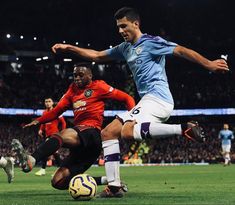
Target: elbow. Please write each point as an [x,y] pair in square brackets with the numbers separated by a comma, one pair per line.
[96,57]
[100,56]
[180,51]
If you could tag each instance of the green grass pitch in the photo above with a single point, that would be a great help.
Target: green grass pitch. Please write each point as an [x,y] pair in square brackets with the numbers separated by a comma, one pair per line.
[179,185]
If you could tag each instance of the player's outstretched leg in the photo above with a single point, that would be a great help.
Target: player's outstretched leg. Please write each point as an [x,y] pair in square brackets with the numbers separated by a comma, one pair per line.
[9,169]
[7,163]
[26,161]
[193,131]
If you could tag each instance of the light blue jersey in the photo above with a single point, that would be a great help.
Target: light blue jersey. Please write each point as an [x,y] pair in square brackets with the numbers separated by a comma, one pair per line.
[146,60]
[226,136]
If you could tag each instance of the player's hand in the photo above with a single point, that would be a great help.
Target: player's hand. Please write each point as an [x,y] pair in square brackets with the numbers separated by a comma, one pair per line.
[59,46]
[33,123]
[40,133]
[218,65]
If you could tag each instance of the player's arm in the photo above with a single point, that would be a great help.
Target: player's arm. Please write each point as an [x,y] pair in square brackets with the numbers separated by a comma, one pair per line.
[88,54]
[123,97]
[48,117]
[218,65]
[53,114]
[41,130]
[232,136]
[62,122]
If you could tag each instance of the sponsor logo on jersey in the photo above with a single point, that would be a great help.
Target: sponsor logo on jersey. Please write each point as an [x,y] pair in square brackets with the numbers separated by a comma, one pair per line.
[79,104]
[88,93]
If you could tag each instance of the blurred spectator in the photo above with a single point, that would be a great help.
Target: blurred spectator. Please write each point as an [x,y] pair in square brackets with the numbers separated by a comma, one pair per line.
[204,90]
[168,150]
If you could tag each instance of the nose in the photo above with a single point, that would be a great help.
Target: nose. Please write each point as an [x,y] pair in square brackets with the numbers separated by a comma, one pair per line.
[120,30]
[76,77]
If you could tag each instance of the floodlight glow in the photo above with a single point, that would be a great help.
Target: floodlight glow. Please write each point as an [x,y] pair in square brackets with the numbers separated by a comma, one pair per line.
[8,35]
[67,60]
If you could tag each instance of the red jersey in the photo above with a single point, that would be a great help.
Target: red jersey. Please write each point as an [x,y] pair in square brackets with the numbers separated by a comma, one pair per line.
[88,103]
[54,126]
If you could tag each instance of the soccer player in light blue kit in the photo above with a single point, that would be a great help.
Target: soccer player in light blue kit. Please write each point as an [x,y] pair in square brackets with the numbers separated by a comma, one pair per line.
[226,136]
[145,56]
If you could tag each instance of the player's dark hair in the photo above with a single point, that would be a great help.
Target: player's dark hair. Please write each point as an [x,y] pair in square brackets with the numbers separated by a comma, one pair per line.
[48,97]
[130,13]
[84,64]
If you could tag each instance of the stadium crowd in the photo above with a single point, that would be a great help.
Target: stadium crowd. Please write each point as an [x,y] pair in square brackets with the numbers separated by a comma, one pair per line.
[165,150]
[204,90]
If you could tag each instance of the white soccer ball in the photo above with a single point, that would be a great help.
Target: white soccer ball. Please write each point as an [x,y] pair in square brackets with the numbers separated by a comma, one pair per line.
[82,187]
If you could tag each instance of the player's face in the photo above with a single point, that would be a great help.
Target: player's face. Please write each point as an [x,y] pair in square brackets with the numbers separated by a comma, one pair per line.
[49,103]
[82,76]
[226,126]
[128,29]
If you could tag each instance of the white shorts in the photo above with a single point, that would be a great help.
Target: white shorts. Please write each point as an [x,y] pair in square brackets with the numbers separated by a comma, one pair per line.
[149,109]
[226,148]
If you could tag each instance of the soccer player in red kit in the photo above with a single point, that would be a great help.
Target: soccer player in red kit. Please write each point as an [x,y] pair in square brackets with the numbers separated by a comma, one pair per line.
[47,130]
[86,98]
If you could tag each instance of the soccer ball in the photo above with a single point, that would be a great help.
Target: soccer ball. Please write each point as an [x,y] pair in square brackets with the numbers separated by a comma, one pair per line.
[82,187]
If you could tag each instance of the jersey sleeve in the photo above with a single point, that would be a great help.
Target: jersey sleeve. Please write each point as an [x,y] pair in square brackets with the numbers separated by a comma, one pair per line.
[62,122]
[108,92]
[159,46]
[116,52]
[123,97]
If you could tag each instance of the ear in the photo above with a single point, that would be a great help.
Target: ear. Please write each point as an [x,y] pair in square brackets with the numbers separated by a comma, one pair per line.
[90,76]
[137,24]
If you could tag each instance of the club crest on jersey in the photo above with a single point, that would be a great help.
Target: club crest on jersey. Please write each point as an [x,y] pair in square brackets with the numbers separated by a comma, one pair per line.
[111,89]
[79,104]
[138,50]
[88,93]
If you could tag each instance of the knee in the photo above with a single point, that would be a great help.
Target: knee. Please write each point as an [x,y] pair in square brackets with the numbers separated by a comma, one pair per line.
[54,183]
[128,130]
[106,134]
[61,184]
